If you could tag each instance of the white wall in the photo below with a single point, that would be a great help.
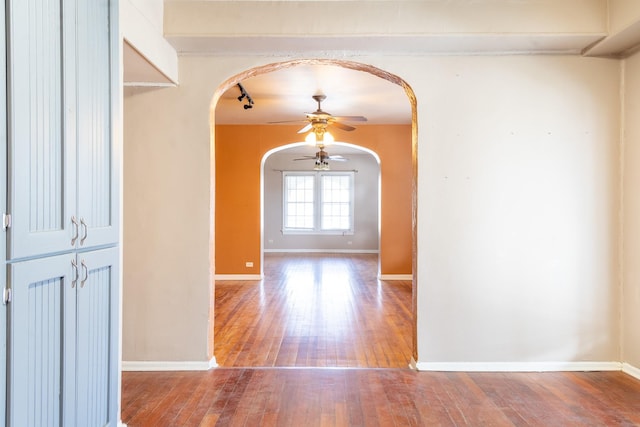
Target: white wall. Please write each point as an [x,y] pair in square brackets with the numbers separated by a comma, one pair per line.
[631,214]
[366,186]
[166,215]
[517,202]
[518,210]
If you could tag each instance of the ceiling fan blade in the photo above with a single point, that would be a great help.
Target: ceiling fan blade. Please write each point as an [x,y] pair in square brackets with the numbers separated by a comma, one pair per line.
[306,158]
[287,121]
[342,126]
[351,118]
[306,128]
[337,159]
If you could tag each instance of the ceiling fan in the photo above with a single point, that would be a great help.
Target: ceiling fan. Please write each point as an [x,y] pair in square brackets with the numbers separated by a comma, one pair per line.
[319,119]
[322,159]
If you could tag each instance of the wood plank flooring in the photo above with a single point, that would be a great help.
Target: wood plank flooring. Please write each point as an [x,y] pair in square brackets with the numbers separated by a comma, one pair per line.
[314,310]
[308,397]
[303,348]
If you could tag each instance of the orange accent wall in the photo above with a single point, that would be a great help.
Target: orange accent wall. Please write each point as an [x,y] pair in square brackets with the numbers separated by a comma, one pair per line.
[239,150]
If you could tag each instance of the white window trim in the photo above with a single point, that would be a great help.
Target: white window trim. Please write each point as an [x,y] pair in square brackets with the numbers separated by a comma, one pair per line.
[317,204]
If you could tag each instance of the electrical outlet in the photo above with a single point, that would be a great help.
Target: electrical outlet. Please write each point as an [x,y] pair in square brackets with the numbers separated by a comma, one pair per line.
[248,264]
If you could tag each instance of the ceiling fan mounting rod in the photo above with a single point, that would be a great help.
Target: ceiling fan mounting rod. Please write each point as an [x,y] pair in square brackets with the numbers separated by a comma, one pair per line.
[319,98]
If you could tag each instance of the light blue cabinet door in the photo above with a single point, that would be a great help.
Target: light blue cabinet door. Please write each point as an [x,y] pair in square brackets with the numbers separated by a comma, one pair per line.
[97,173]
[97,339]
[41,128]
[41,341]
[63,75]
[63,341]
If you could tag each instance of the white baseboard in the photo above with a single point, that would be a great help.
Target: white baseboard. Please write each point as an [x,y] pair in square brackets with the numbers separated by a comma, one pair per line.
[247,277]
[518,366]
[322,251]
[240,277]
[152,365]
[631,370]
[395,277]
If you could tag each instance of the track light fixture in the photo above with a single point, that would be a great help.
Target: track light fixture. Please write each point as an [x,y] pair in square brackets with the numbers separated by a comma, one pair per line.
[245,95]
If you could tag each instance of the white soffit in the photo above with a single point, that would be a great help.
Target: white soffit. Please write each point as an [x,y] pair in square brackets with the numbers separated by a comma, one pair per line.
[148,59]
[433,44]
[402,27]
[138,71]
[619,44]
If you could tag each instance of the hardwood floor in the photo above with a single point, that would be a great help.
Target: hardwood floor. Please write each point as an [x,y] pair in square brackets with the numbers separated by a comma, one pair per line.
[314,311]
[377,397]
[303,348]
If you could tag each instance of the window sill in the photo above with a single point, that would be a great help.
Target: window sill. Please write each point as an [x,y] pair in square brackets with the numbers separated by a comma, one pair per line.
[318,232]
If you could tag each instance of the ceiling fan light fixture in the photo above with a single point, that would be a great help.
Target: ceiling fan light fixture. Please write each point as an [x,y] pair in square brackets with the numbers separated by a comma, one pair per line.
[319,138]
[321,166]
[311,138]
[327,138]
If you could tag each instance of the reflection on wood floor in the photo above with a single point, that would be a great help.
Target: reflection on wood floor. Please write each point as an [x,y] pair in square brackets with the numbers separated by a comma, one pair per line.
[314,310]
[304,397]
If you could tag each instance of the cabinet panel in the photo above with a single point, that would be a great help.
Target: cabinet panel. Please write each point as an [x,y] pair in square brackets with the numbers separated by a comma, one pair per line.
[42,166]
[97,332]
[97,183]
[41,334]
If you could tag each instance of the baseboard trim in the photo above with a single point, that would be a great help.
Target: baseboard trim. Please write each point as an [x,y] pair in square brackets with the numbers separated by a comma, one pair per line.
[413,365]
[239,277]
[517,366]
[631,370]
[391,277]
[322,251]
[152,365]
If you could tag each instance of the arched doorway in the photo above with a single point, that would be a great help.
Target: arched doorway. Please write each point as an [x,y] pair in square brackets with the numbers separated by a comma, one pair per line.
[361,162]
[352,66]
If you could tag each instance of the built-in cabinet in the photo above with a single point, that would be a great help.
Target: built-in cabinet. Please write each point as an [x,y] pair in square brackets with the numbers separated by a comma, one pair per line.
[62,234]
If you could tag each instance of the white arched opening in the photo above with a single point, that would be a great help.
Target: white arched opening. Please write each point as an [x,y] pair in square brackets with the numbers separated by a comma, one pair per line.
[288,147]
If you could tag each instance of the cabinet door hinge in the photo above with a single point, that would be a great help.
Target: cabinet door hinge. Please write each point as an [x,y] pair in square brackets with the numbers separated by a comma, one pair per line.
[6,221]
[6,297]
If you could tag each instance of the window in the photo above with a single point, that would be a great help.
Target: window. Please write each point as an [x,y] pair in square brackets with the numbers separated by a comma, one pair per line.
[299,202]
[318,203]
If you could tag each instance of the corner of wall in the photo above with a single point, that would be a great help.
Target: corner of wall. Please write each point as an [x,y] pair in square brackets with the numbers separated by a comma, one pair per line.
[621,209]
